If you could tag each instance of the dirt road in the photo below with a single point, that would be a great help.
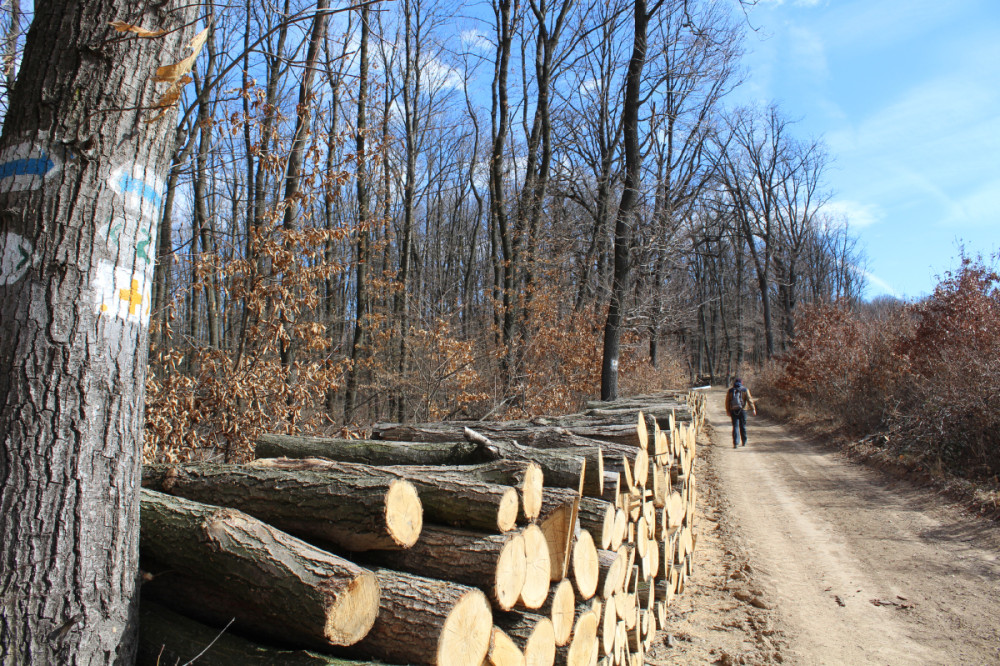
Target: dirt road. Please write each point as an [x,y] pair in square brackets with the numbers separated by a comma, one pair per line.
[857,569]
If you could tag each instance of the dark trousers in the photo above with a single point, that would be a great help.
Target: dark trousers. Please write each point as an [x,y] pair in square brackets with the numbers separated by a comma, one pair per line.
[739,427]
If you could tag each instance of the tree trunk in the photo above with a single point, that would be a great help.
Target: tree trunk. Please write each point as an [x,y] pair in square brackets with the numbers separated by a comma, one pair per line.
[359,339]
[80,193]
[583,646]
[277,584]
[354,512]
[427,621]
[597,517]
[630,199]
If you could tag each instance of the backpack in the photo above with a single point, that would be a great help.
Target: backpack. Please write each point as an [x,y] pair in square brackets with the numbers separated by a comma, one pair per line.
[735,400]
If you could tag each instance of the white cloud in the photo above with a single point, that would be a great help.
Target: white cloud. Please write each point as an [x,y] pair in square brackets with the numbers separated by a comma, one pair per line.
[475,40]
[856,214]
[979,207]
[878,282]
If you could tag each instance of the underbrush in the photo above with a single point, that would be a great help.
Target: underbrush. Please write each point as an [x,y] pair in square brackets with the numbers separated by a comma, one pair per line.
[909,387]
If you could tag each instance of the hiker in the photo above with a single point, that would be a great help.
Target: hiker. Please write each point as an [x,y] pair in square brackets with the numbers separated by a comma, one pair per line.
[737,398]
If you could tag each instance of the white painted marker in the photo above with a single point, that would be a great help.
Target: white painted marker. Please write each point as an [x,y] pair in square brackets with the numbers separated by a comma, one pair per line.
[15,257]
[141,192]
[122,292]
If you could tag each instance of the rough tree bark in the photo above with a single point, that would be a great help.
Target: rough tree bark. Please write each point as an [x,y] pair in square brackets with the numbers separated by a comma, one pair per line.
[630,199]
[81,179]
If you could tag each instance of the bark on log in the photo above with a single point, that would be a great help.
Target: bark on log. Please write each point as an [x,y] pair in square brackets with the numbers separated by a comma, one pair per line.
[562,470]
[494,563]
[355,513]
[303,594]
[166,637]
[426,621]
[526,477]
[447,497]
[373,452]
[593,477]
[597,517]
[534,634]
[611,571]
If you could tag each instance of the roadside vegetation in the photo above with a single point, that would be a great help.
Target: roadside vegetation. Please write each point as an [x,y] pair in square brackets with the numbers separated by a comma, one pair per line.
[914,385]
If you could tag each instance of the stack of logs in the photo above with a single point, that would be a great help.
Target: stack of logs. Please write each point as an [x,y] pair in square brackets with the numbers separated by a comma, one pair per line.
[550,541]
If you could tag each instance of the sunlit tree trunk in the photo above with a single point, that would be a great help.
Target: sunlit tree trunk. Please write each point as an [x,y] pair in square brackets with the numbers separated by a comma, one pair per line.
[80,192]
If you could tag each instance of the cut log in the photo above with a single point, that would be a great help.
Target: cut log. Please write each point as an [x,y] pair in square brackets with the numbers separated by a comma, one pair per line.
[608,629]
[560,607]
[583,646]
[494,563]
[447,497]
[373,452]
[558,523]
[585,567]
[593,478]
[353,513]
[503,650]
[533,634]
[307,595]
[620,529]
[538,568]
[166,637]
[597,517]
[561,470]
[611,571]
[427,621]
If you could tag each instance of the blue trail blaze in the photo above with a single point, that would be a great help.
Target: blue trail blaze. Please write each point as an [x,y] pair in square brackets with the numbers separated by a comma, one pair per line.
[135,186]
[32,166]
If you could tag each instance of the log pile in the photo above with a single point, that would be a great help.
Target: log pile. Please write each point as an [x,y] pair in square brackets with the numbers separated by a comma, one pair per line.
[550,541]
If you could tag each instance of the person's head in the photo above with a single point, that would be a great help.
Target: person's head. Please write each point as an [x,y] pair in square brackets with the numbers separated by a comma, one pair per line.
[737,383]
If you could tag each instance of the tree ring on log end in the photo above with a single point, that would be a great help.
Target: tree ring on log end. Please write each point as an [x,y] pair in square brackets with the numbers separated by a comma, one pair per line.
[465,636]
[349,619]
[507,511]
[404,513]
[531,490]
[540,648]
[585,565]
[563,612]
[536,582]
[511,571]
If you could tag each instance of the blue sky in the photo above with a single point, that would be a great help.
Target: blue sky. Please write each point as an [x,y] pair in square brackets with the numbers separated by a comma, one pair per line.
[906,95]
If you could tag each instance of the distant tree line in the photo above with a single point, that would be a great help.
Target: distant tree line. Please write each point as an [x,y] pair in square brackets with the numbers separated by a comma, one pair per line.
[418,210]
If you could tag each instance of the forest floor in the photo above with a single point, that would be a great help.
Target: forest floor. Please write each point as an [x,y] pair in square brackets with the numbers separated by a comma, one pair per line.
[805,557]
